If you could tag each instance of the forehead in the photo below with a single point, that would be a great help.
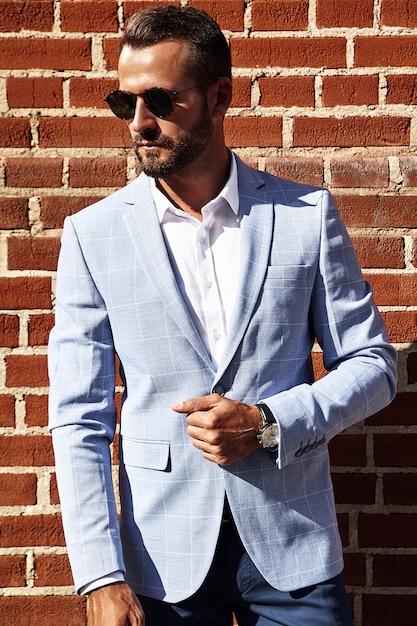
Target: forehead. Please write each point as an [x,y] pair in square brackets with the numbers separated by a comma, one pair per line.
[161,65]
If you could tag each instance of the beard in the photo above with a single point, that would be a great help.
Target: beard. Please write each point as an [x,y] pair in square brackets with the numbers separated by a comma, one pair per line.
[183,149]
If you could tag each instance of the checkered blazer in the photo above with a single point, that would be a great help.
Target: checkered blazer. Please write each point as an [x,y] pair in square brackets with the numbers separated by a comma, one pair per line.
[116,293]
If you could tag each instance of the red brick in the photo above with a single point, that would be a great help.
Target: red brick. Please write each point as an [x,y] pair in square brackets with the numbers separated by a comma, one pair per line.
[26,370]
[394,13]
[26,450]
[52,569]
[412,360]
[131,7]
[396,530]
[379,252]
[7,410]
[304,170]
[53,490]
[40,327]
[287,91]
[388,51]
[355,569]
[349,90]
[9,331]
[43,610]
[389,609]
[15,132]
[83,132]
[33,253]
[36,410]
[343,523]
[111,53]
[378,211]
[45,54]
[260,132]
[401,412]
[229,15]
[25,293]
[31,530]
[241,92]
[335,14]
[351,131]
[393,289]
[100,172]
[54,209]
[408,165]
[13,570]
[318,366]
[13,213]
[395,570]
[401,327]
[400,489]
[18,489]
[90,92]
[348,451]
[89,16]
[36,172]
[35,92]
[395,450]
[279,15]
[21,15]
[402,89]
[325,52]
[354,488]
[357,172]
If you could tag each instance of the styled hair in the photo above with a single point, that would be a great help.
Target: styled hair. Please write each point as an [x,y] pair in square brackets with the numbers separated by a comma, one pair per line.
[209,54]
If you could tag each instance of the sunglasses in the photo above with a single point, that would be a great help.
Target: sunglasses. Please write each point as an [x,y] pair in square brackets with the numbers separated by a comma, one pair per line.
[158,101]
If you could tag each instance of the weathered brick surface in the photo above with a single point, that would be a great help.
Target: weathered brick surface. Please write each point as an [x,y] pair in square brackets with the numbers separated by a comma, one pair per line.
[325,94]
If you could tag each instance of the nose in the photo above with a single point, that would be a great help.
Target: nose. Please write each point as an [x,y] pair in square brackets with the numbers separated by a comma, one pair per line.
[144,120]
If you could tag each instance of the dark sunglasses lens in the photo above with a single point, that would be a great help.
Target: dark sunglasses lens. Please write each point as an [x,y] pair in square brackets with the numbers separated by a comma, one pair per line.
[122,104]
[158,101]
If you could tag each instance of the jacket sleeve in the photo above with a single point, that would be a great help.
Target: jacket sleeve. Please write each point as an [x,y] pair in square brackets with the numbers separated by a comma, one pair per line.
[82,417]
[360,361]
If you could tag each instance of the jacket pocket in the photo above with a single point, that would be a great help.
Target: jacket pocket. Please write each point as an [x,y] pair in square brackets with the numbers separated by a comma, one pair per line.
[287,272]
[145,454]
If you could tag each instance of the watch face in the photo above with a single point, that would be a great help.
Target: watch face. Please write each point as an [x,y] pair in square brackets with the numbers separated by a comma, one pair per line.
[270,436]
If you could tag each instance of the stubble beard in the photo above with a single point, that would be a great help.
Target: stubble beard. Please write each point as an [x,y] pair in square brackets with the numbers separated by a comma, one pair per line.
[183,150]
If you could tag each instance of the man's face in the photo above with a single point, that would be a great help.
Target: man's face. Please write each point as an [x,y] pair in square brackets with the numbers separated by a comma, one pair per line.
[165,147]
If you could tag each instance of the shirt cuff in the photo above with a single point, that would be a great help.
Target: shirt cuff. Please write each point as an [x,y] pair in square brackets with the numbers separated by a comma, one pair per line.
[114,577]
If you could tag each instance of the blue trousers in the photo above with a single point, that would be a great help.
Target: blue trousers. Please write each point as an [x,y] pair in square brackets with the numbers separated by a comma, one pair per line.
[235,586]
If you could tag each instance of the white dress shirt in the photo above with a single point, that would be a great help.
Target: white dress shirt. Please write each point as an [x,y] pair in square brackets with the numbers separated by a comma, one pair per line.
[205,259]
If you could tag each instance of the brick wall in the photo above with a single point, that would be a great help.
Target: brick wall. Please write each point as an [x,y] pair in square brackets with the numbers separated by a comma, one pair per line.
[325,92]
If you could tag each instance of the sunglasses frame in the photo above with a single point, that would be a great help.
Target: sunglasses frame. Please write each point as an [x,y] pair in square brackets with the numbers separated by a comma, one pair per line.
[147,99]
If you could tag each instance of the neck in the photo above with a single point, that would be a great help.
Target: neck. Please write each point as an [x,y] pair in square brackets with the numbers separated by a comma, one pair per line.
[193,188]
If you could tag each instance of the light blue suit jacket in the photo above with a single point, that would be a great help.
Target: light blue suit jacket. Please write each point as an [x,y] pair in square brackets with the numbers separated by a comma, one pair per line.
[116,292]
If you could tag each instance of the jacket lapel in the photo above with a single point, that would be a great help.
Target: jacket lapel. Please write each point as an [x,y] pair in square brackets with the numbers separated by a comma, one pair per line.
[144,230]
[256,213]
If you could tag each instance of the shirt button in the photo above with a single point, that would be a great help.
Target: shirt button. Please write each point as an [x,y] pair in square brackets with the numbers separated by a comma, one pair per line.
[216,335]
[208,283]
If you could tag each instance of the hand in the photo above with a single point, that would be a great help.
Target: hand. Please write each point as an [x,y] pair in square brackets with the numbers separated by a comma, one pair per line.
[223,429]
[114,605]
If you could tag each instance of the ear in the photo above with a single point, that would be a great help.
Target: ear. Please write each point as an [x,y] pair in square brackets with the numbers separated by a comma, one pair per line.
[222,90]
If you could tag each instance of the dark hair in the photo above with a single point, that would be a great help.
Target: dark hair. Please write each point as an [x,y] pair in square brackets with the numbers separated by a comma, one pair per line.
[209,54]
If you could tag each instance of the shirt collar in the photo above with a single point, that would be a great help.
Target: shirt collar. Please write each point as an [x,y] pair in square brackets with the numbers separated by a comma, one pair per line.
[230,193]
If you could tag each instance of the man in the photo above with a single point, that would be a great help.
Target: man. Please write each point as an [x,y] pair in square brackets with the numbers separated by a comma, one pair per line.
[211,282]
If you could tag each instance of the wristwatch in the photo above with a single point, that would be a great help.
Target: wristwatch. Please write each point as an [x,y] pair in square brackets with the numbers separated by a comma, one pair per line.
[268,436]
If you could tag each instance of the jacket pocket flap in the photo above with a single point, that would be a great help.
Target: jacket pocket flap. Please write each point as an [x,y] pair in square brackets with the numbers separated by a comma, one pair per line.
[288,272]
[146,454]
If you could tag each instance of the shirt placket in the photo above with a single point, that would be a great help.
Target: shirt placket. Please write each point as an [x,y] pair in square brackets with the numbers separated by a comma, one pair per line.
[209,289]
